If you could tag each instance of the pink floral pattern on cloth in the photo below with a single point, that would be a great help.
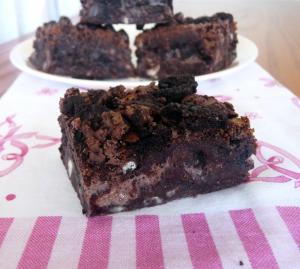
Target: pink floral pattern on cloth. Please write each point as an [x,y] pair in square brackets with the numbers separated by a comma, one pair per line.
[47,92]
[270,82]
[10,197]
[12,137]
[296,101]
[272,163]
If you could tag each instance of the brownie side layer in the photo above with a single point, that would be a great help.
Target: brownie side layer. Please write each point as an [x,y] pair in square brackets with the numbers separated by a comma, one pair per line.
[82,51]
[131,149]
[140,12]
[187,46]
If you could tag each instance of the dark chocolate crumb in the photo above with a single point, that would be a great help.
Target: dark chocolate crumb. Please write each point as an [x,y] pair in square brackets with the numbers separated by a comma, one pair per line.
[174,89]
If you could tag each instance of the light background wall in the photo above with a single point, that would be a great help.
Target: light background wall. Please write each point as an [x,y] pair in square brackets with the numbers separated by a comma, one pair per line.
[18,17]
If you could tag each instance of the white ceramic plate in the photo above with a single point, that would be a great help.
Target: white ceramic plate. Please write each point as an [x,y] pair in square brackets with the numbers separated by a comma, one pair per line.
[246,50]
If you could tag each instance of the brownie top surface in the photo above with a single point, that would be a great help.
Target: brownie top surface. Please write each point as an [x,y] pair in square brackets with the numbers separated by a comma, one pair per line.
[108,128]
[179,19]
[172,102]
[126,4]
[156,109]
[64,28]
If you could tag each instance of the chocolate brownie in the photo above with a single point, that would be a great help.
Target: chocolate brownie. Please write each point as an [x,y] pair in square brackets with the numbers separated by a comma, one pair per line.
[82,51]
[127,149]
[130,11]
[187,46]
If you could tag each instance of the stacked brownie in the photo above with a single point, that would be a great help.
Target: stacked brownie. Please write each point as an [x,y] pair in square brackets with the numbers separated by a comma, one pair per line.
[187,46]
[82,51]
[93,49]
[126,11]
[127,149]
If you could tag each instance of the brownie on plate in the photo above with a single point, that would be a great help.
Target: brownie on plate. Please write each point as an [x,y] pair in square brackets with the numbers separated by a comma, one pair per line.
[82,51]
[129,11]
[187,46]
[127,149]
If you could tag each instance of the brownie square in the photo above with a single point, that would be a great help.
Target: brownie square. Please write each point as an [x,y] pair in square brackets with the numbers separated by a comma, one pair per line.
[127,149]
[82,51]
[187,46]
[130,11]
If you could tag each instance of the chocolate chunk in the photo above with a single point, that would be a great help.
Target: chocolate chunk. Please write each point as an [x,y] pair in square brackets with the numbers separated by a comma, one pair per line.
[174,89]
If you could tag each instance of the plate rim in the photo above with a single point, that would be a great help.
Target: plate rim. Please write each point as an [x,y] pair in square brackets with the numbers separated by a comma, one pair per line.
[129,82]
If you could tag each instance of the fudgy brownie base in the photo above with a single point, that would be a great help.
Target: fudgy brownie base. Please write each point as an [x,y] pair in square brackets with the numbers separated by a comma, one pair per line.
[82,51]
[130,11]
[131,149]
[187,46]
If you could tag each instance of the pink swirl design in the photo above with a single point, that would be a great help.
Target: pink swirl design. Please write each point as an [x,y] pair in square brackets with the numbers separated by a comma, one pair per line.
[14,139]
[285,174]
[52,141]
[46,91]
[296,101]
[270,82]
[223,98]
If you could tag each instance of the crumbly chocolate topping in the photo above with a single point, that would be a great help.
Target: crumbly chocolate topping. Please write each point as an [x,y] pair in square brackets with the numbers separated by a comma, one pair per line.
[143,120]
